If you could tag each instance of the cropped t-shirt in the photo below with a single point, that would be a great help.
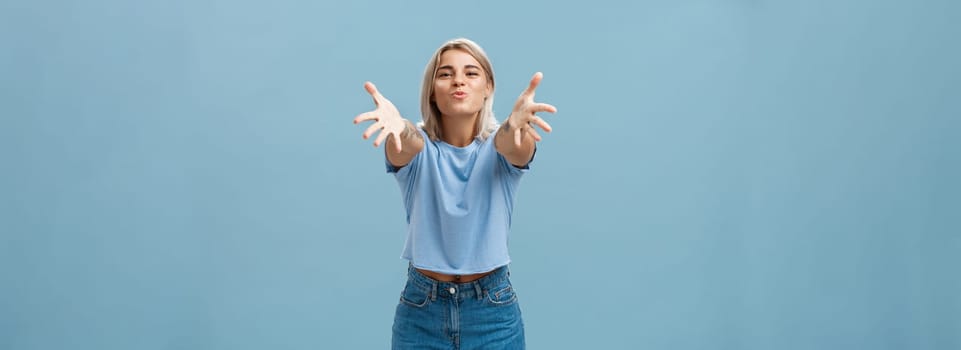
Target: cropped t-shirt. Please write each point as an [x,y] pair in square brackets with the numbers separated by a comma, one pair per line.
[459,202]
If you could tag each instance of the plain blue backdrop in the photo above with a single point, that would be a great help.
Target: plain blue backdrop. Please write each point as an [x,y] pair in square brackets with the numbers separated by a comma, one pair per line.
[723,174]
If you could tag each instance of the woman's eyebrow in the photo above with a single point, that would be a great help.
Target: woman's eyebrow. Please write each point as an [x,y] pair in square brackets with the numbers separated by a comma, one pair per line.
[469,66]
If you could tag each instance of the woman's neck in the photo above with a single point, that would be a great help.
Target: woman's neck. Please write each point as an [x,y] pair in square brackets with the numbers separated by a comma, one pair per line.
[458,131]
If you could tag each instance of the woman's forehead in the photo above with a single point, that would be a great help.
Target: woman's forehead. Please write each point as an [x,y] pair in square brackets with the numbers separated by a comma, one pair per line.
[456,58]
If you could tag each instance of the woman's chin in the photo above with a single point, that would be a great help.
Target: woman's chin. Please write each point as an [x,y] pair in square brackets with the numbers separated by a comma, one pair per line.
[461,112]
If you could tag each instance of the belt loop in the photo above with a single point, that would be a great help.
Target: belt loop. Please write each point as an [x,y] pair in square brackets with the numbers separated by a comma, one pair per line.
[433,291]
[478,289]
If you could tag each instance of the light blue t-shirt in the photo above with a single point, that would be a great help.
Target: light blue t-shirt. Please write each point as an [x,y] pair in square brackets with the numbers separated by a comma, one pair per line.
[459,202]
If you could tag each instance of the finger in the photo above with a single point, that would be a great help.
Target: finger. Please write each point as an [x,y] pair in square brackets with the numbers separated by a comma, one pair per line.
[372,129]
[535,81]
[517,137]
[372,90]
[542,107]
[380,138]
[534,134]
[400,146]
[541,123]
[365,117]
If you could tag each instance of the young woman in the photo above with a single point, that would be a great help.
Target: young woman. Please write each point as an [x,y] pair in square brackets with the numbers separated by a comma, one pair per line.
[458,173]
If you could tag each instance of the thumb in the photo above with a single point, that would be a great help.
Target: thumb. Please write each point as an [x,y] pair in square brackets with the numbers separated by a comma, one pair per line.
[535,81]
[372,90]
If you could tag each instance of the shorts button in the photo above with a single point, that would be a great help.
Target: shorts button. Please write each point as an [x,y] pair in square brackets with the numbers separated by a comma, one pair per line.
[452,290]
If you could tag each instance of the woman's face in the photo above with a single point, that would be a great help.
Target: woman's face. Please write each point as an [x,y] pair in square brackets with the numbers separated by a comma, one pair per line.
[460,85]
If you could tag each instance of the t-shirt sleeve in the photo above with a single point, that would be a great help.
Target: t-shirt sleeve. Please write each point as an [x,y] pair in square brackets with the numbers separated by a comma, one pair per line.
[514,170]
[391,169]
[404,171]
[406,176]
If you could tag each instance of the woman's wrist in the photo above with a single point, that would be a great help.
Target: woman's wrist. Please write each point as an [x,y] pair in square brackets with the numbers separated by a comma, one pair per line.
[510,124]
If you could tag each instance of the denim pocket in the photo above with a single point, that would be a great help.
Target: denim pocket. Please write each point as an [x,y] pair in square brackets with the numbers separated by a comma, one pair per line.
[414,296]
[502,295]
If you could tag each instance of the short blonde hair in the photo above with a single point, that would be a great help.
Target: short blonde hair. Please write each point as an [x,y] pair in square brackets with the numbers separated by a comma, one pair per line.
[428,109]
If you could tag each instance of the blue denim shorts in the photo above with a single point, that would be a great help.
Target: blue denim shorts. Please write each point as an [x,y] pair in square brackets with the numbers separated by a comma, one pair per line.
[481,314]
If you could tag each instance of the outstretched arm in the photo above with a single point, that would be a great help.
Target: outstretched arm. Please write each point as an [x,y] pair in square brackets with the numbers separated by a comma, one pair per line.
[516,138]
[403,139]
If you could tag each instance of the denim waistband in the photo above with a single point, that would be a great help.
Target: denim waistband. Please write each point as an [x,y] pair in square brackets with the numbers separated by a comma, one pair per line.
[472,289]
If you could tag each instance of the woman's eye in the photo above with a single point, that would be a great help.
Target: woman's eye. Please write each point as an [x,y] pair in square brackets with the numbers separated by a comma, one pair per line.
[443,75]
[472,74]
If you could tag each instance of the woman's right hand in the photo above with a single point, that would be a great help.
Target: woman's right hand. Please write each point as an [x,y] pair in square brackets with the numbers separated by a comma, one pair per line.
[386,119]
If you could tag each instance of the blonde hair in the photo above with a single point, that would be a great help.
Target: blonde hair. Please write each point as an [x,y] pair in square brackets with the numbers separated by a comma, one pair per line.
[428,109]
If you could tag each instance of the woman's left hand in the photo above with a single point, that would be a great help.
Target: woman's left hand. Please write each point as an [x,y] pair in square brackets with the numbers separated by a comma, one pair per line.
[523,117]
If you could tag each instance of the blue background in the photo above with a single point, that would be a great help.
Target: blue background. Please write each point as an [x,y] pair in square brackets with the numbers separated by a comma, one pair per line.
[741,174]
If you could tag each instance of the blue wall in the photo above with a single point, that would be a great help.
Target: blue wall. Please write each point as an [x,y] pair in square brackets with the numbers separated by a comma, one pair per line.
[740,174]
